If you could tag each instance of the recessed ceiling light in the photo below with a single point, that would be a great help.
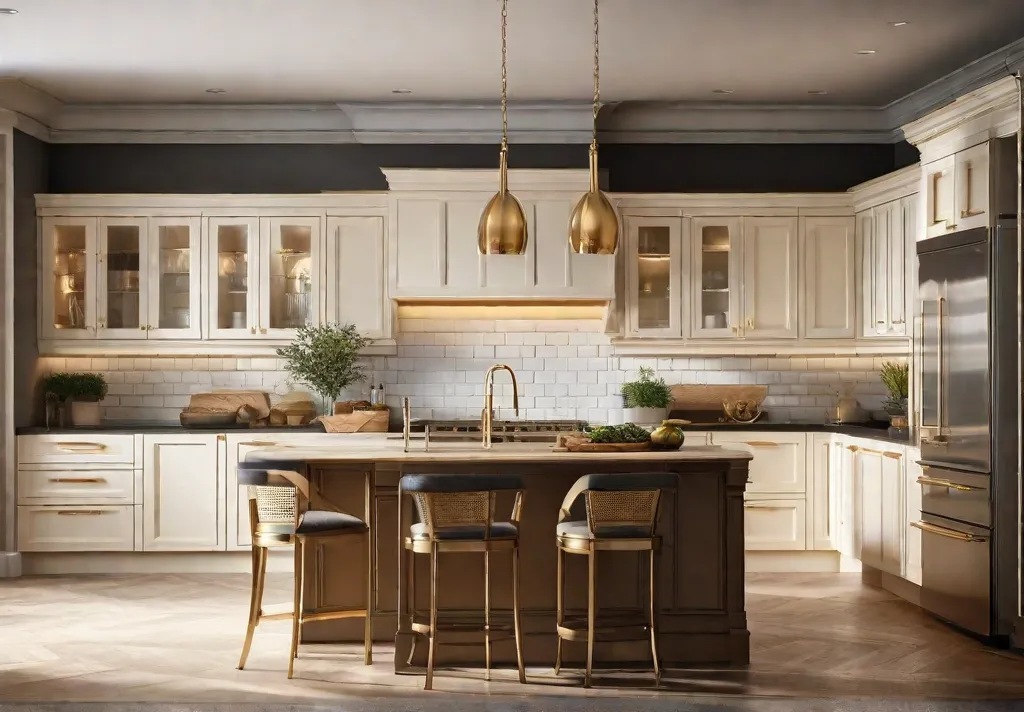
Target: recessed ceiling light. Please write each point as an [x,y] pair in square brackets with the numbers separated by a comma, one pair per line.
[817,92]
[216,91]
[401,91]
[8,11]
[865,51]
[901,23]
[722,91]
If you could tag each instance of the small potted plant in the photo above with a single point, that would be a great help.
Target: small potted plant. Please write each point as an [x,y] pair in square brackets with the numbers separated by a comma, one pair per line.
[83,391]
[646,399]
[325,357]
[895,377]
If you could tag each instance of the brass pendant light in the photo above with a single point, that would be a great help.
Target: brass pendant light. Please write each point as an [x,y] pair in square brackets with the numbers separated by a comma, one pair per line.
[502,229]
[593,225]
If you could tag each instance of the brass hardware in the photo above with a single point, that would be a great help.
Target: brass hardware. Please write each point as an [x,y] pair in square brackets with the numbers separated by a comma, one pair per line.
[760,443]
[883,453]
[261,443]
[853,448]
[78,480]
[951,227]
[938,222]
[970,213]
[81,447]
[938,358]
[892,455]
[502,229]
[946,483]
[102,323]
[78,512]
[252,329]
[948,533]
[735,329]
[880,322]
[221,437]
[488,415]
[593,224]
[750,505]
[406,422]
[899,321]
[148,327]
[142,328]
[262,330]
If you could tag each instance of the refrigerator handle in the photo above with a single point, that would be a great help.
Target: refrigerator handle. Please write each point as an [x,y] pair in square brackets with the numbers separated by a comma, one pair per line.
[940,364]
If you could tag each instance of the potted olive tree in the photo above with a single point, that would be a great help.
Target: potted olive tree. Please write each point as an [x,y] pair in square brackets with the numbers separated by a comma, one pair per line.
[83,391]
[325,357]
[895,377]
[646,399]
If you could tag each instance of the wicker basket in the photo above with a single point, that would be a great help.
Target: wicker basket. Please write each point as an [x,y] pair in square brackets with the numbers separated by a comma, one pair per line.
[358,421]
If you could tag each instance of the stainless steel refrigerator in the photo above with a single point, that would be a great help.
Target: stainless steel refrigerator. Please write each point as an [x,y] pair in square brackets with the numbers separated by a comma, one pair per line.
[969,396]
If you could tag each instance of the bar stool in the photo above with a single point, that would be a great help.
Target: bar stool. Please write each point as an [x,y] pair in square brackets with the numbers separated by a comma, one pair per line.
[622,515]
[457,516]
[280,497]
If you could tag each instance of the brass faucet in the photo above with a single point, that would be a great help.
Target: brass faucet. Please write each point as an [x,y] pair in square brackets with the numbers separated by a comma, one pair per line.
[488,414]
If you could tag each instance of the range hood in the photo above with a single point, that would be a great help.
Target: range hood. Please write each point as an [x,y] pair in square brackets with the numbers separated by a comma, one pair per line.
[433,256]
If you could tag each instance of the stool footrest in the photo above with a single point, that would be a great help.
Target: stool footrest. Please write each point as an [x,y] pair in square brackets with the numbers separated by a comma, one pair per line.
[277,610]
[332,614]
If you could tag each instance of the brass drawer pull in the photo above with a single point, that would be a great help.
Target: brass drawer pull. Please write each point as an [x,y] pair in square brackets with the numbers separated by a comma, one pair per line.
[749,505]
[884,453]
[79,512]
[971,213]
[760,443]
[78,480]
[262,443]
[948,533]
[81,447]
[946,483]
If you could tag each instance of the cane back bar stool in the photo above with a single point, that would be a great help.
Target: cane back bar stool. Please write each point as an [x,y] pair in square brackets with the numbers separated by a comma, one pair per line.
[457,516]
[622,515]
[279,516]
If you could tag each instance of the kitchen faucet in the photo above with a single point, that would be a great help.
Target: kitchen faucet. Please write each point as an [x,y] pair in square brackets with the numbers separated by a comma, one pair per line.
[488,414]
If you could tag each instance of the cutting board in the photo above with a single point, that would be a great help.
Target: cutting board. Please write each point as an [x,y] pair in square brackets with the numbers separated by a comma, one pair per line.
[705,398]
[221,401]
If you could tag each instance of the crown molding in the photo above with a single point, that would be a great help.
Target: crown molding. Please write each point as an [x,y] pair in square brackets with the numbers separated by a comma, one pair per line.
[477,180]
[899,184]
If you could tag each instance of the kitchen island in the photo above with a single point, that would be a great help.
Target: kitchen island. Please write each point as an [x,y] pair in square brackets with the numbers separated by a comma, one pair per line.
[700,571]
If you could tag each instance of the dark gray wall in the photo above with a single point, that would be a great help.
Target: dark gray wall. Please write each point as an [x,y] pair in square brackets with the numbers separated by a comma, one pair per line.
[31,176]
[305,168]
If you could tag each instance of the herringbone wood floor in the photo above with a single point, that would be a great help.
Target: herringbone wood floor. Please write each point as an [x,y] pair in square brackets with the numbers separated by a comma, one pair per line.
[167,638]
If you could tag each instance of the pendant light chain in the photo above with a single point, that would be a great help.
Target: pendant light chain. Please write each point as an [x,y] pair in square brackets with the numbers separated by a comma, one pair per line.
[597,68]
[504,74]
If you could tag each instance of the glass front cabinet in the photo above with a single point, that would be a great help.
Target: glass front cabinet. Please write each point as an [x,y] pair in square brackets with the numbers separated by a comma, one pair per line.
[654,276]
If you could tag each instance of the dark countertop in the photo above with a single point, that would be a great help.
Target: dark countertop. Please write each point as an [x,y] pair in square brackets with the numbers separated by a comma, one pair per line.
[874,431]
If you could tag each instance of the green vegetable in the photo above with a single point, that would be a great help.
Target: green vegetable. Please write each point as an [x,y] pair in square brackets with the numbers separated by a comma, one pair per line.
[626,433]
[645,392]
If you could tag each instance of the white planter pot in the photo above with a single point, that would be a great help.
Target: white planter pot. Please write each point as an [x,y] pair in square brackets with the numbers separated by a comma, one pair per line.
[85,413]
[644,416]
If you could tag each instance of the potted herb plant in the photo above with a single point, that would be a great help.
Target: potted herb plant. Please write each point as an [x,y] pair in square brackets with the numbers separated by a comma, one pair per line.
[325,357]
[83,391]
[895,377]
[646,399]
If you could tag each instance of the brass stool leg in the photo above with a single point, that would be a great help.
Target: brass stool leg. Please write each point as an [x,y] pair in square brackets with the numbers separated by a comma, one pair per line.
[591,612]
[516,618]
[255,598]
[654,615]
[410,598]
[297,612]
[559,586]
[487,616]
[433,618]
[368,623]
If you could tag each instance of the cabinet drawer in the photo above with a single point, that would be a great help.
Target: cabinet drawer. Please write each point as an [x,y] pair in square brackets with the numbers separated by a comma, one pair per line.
[73,449]
[774,524]
[66,486]
[76,528]
[780,459]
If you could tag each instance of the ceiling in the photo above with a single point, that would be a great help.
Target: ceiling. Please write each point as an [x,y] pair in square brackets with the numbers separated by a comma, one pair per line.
[298,51]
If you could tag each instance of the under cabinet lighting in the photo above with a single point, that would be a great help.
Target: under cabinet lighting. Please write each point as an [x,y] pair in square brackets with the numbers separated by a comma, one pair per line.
[216,91]
[8,11]
[817,92]
[865,51]
[722,91]
[401,91]
[901,23]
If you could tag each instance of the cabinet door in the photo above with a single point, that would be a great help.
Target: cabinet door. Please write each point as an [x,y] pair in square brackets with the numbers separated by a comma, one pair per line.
[877,269]
[419,240]
[182,493]
[69,294]
[654,277]
[769,278]
[355,265]
[233,277]
[912,513]
[780,459]
[849,506]
[715,276]
[971,170]
[774,524]
[901,243]
[120,279]
[290,267]
[827,276]
[940,201]
[868,481]
[892,512]
[173,277]
[822,493]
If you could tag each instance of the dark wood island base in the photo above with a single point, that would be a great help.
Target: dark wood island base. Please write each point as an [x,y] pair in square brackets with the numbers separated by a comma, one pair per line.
[700,578]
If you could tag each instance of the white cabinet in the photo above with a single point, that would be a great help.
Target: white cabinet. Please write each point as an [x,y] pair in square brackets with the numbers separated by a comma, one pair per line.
[774,524]
[779,464]
[879,483]
[68,278]
[822,491]
[355,287]
[769,278]
[715,277]
[183,500]
[828,301]
[94,527]
[957,190]
[912,513]
[885,237]
[655,265]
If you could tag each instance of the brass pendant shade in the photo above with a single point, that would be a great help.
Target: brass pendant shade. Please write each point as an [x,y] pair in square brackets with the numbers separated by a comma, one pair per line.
[593,224]
[502,228]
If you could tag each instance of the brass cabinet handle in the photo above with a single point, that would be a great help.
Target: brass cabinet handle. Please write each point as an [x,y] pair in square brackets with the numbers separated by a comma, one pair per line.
[946,483]
[898,321]
[951,227]
[102,323]
[149,327]
[884,453]
[752,505]
[760,443]
[79,512]
[79,480]
[971,213]
[81,447]
[948,533]
[262,330]
[142,328]
[260,443]
[252,329]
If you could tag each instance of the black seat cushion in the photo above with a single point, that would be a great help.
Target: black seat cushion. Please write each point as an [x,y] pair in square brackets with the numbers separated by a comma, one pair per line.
[460,483]
[470,532]
[257,472]
[318,521]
